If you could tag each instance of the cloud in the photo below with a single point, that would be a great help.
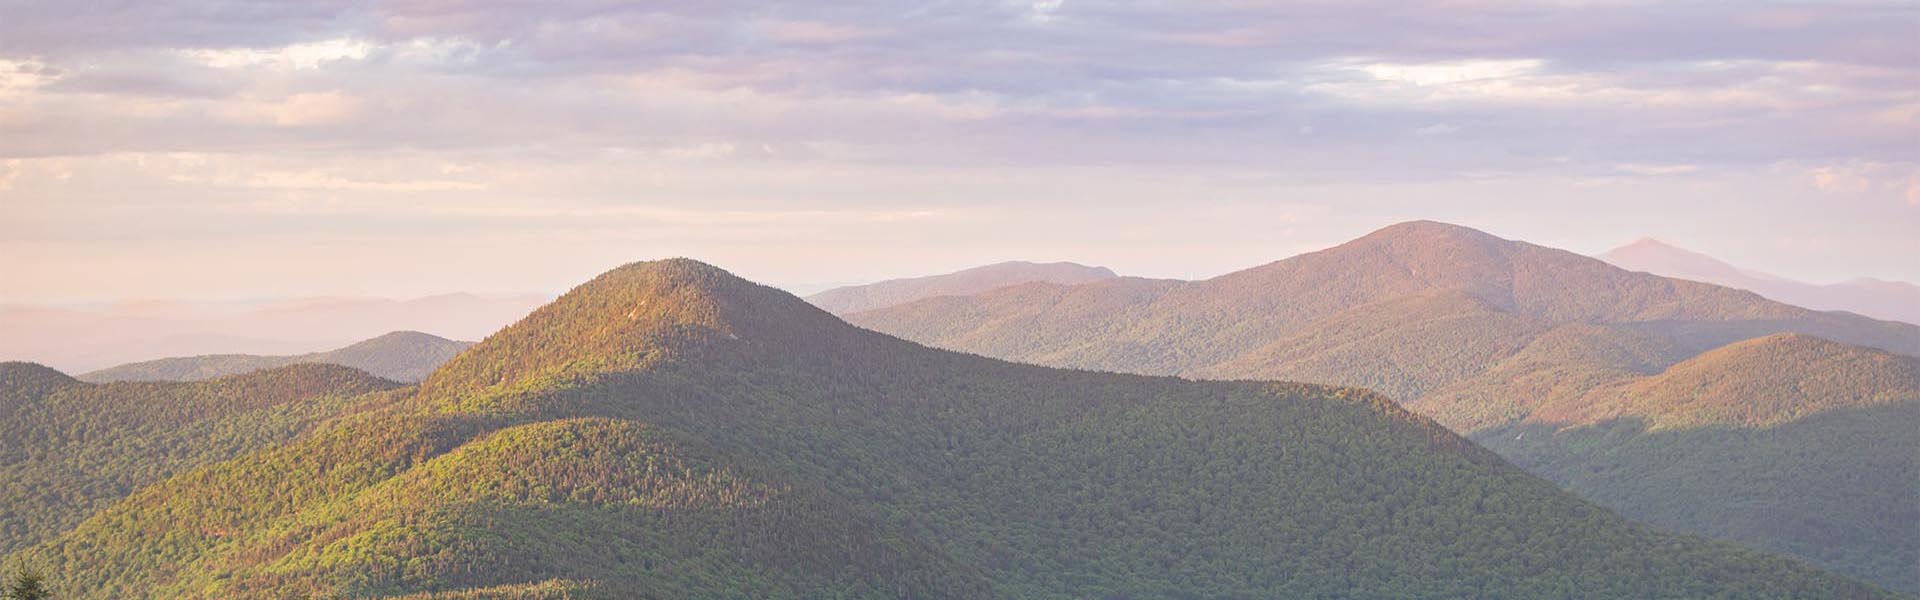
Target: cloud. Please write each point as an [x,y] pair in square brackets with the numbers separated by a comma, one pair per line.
[319,180]
[813,32]
[1465,73]
[21,76]
[309,55]
[703,150]
[297,110]
[1656,170]
[1899,179]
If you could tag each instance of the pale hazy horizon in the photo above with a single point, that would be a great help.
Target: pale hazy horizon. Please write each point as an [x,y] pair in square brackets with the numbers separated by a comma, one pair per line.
[242,301]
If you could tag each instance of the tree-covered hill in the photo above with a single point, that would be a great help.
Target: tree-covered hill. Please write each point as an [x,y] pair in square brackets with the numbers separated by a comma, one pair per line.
[1479,333]
[1755,383]
[894,292]
[669,430]
[1812,440]
[69,449]
[400,356]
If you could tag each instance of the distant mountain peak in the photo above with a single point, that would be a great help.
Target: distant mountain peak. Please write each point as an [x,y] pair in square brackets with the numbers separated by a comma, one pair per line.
[1431,241]
[1649,246]
[1863,295]
[1646,248]
[894,292]
[1429,230]
[1647,241]
[403,336]
[399,356]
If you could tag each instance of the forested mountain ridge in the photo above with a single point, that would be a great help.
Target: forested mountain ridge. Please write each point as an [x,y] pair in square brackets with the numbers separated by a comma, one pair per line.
[68,448]
[405,356]
[894,292]
[669,430]
[1478,333]
[1188,327]
[1812,441]
[1755,383]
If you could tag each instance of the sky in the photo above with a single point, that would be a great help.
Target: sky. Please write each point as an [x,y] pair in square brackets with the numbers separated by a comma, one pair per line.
[221,149]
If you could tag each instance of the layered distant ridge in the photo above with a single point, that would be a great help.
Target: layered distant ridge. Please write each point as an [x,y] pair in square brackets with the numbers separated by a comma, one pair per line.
[1892,300]
[894,292]
[400,356]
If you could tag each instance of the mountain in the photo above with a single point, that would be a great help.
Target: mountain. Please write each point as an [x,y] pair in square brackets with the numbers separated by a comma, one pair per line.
[669,430]
[1163,327]
[1474,331]
[894,292]
[78,339]
[1812,440]
[1756,383]
[70,448]
[1893,300]
[399,356]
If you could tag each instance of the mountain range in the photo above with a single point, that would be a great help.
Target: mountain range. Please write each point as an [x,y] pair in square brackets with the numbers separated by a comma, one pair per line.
[857,298]
[406,356]
[1561,362]
[78,339]
[1892,300]
[669,430]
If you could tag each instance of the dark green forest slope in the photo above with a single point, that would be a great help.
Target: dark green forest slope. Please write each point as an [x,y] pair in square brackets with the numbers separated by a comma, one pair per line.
[400,356]
[1814,441]
[1479,333]
[670,431]
[68,448]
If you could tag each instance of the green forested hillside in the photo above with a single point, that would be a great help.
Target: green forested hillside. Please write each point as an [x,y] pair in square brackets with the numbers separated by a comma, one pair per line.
[399,356]
[667,430]
[1836,488]
[1755,383]
[1814,442]
[1400,347]
[1479,333]
[68,449]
